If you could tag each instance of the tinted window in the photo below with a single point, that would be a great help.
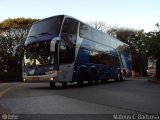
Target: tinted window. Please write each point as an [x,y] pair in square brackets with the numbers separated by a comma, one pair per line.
[51,26]
[123,47]
[66,53]
[85,31]
[70,26]
[69,39]
[116,61]
[100,58]
[62,52]
[104,39]
[96,36]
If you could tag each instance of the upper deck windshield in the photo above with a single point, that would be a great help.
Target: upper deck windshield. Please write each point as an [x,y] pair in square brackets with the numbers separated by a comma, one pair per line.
[48,26]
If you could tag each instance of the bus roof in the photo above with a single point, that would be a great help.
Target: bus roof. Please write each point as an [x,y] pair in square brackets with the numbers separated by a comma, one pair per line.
[65,16]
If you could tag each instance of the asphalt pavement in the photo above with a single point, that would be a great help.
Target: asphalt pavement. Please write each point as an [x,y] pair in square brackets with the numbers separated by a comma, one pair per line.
[129,96]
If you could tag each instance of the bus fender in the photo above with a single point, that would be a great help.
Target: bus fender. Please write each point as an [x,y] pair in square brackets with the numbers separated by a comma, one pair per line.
[93,68]
[84,68]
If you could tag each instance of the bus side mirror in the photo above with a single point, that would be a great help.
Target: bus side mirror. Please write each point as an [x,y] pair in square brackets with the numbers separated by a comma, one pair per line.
[15,48]
[53,44]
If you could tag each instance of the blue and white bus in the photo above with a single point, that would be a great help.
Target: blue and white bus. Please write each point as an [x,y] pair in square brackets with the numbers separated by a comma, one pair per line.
[63,49]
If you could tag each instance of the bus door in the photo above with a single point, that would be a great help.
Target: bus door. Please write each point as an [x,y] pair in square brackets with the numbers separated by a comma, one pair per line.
[66,62]
[67,49]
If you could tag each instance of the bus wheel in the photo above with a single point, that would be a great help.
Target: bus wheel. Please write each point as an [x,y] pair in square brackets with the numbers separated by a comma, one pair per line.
[124,75]
[81,78]
[92,78]
[105,80]
[94,75]
[118,77]
[64,84]
[52,84]
[121,76]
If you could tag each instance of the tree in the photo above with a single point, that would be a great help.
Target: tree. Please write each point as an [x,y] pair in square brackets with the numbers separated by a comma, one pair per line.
[12,32]
[100,25]
[153,44]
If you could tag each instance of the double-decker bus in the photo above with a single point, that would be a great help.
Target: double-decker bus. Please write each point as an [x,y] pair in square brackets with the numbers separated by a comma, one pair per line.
[63,49]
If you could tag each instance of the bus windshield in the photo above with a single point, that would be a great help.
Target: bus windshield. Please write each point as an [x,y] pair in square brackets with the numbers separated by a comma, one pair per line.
[38,54]
[51,26]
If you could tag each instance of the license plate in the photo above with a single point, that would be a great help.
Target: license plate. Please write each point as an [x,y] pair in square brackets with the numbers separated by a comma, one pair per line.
[35,78]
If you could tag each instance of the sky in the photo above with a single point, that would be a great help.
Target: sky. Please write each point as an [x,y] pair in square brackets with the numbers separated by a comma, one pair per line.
[134,14]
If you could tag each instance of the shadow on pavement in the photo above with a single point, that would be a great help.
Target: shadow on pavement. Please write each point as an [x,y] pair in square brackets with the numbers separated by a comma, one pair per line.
[74,85]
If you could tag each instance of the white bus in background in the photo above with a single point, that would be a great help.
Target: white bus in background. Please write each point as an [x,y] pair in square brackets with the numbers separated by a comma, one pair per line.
[151,67]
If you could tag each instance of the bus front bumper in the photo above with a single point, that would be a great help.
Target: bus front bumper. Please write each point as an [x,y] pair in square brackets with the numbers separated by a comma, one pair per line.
[40,78]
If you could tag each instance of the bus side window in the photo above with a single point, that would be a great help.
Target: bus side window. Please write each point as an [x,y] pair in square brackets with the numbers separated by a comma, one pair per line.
[70,26]
[66,54]
[62,53]
[117,61]
[85,31]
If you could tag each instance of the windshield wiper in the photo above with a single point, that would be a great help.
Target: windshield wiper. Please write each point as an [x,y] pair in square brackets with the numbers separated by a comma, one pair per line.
[44,33]
[33,36]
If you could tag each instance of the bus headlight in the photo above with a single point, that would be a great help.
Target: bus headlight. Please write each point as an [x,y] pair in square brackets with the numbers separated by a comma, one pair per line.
[51,79]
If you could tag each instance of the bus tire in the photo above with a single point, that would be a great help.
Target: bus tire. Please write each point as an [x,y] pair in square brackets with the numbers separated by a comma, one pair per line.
[81,78]
[95,77]
[117,78]
[52,84]
[124,75]
[105,80]
[64,84]
[120,76]
[92,78]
